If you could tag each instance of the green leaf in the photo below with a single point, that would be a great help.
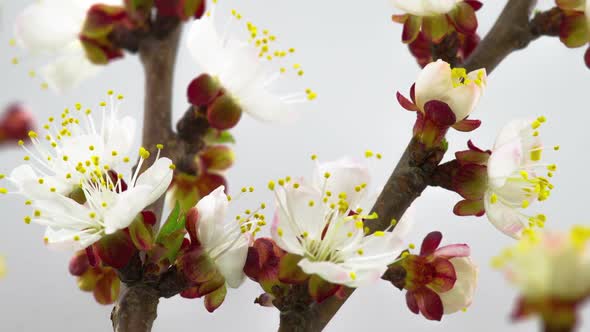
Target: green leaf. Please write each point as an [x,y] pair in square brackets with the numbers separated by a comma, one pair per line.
[215,136]
[172,233]
[174,223]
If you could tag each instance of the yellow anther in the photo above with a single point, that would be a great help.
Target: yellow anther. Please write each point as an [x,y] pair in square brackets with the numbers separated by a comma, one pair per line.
[542,119]
[159,146]
[27,220]
[143,153]
[360,252]
[263,206]
[536,124]
[379,233]
[172,166]
[41,181]
[103,104]
[556,148]
[37,213]
[359,224]
[76,238]
[494,198]
[327,175]
[92,215]
[296,185]
[281,182]
[368,154]
[271,185]
[311,203]
[314,157]
[352,275]
[28,202]
[412,246]
[280,231]
[525,204]
[251,189]
[244,189]
[3,191]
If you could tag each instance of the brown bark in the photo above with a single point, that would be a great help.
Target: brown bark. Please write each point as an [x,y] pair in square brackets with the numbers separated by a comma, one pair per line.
[158,56]
[415,170]
[136,309]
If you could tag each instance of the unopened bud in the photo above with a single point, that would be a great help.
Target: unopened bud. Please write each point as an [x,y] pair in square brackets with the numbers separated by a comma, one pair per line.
[224,113]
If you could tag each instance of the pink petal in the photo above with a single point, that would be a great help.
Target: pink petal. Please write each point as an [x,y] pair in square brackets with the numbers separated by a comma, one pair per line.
[453,250]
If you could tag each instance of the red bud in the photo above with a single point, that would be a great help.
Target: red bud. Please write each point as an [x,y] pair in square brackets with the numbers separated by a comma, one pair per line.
[16,122]
[202,90]
[224,113]
[79,264]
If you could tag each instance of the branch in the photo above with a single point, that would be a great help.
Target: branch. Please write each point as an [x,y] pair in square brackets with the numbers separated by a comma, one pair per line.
[416,167]
[513,31]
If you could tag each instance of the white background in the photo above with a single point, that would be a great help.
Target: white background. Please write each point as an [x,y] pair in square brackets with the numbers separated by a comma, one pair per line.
[353,58]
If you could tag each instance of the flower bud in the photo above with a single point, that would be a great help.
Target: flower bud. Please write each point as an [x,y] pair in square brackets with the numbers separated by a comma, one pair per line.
[224,113]
[203,90]
[439,280]
[79,264]
[217,158]
[100,22]
[16,122]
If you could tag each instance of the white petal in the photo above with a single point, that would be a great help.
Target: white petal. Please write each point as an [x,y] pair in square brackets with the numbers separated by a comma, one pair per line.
[433,83]
[69,70]
[157,177]
[63,239]
[514,130]
[283,235]
[43,28]
[295,211]
[504,218]
[127,206]
[378,251]
[212,209]
[461,295]
[463,99]
[26,180]
[205,45]
[263,105]
[504,162]
[231,265]
[346,175]
[119,137]
[425,7]
[330,272]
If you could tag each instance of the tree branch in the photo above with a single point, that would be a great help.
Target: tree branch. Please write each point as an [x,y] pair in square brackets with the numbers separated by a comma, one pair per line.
[416,167]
